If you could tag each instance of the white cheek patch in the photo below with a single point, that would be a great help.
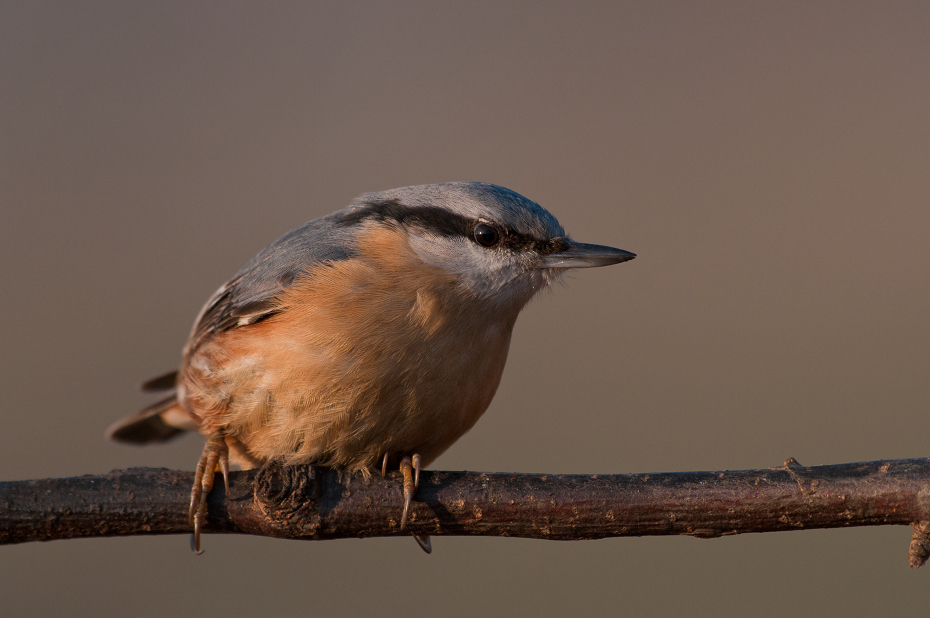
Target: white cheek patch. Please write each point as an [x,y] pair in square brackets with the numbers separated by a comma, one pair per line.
[484,272]
[453,255]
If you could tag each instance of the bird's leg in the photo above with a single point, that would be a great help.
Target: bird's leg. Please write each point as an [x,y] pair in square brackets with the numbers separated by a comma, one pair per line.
[215,454]
[384,464]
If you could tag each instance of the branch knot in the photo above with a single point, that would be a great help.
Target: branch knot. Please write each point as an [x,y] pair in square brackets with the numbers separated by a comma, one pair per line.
[289,494]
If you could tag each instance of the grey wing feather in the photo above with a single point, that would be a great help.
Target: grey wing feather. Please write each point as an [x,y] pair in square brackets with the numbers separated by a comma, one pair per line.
[250,295]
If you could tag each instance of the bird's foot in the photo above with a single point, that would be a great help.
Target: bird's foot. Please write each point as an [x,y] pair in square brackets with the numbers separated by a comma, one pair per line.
[215,455]
[410,468]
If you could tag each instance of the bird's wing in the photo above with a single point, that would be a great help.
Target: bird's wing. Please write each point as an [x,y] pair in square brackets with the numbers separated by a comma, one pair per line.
[164,382]
[250,296]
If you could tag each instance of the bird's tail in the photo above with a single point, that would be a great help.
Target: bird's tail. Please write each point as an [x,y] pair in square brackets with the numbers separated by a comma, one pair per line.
[159,422]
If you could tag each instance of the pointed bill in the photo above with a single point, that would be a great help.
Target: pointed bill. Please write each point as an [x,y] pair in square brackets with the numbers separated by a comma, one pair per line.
[582,255]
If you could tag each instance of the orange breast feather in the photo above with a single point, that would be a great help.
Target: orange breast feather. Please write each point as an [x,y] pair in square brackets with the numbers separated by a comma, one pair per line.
[378,353]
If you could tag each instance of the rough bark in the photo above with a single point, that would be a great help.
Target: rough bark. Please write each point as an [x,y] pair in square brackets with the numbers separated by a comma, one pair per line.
[308,502]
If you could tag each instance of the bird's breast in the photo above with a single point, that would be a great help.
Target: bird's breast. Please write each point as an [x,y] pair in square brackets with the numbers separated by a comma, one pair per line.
[378,353]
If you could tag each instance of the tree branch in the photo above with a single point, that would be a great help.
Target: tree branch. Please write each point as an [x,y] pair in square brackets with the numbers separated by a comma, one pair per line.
[308,502]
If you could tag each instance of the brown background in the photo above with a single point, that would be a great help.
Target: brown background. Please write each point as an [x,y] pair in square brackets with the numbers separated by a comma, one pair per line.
[767,161]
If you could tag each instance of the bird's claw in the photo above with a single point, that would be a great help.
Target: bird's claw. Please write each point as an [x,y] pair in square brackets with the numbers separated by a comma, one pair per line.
[410,468]
[215,455]
[423,542]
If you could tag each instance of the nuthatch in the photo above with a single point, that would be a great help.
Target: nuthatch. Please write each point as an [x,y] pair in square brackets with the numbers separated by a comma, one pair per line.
[375,335]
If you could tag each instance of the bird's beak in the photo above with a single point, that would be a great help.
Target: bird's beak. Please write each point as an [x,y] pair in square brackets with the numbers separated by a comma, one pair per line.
[581,255]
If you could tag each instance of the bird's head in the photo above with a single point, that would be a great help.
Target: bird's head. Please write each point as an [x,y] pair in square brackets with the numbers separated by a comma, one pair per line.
[501,246]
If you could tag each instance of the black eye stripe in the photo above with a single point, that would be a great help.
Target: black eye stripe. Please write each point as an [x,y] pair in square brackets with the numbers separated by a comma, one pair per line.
[437,220]
[445,223]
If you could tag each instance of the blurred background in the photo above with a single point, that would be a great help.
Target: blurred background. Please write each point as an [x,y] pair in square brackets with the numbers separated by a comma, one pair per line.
[767,161]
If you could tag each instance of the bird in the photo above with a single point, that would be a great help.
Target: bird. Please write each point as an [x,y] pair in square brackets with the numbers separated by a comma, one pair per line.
[375,335]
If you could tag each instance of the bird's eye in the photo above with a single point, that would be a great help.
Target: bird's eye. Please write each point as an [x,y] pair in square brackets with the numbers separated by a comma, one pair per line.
[486,236]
